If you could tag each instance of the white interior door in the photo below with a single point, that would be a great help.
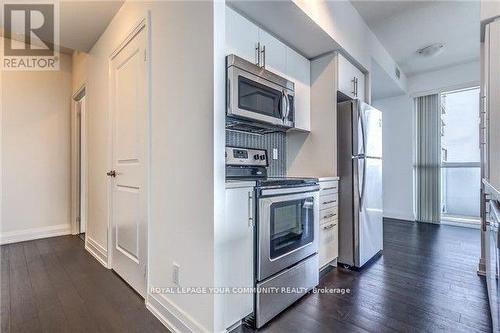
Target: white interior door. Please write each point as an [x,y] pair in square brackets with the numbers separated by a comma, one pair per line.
[129,193]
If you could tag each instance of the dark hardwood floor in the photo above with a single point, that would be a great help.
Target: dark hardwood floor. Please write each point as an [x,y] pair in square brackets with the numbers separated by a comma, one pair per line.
[425,281]
[54,285]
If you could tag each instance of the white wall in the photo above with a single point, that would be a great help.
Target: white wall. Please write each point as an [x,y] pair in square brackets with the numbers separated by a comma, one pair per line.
[399,131]
[187,149]
[397,156]
[35,152]
[79,70]
[344,24]
[447,78]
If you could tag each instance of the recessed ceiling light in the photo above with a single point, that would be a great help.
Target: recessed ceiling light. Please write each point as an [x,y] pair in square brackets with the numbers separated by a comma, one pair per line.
[431,50]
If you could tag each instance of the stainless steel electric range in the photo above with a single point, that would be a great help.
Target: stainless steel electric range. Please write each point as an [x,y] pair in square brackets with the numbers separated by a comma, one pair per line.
[287,233]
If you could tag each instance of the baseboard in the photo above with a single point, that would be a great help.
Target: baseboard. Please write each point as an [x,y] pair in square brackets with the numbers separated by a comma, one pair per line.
[35,233]
[96,250]
[171,316]
[399,216]
[461,224]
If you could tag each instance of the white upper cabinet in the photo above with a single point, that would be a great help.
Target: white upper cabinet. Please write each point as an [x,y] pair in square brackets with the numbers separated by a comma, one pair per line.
[351,79]
[299,71]
[242,36]
[273,53]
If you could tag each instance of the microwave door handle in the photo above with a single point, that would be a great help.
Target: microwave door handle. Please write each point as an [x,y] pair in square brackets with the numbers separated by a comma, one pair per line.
[283,106]
[287,106]
[228,95]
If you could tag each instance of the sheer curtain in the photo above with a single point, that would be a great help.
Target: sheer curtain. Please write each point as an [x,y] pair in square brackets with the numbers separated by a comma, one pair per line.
[428,159]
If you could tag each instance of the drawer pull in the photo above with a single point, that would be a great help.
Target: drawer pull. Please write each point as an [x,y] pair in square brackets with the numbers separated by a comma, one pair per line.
[329,202]
[328,227]
[329,215]
[329,188]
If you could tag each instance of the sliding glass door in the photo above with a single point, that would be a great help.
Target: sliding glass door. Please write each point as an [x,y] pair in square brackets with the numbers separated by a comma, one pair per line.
[460,156]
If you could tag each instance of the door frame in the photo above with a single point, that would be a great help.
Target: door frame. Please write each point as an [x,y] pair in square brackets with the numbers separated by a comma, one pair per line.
[75,226]
[142,24]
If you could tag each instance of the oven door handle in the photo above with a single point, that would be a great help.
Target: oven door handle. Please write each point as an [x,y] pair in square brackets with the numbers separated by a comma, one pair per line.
[289,190]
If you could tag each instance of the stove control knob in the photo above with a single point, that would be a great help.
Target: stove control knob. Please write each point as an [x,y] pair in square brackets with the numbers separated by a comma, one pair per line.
[256,156]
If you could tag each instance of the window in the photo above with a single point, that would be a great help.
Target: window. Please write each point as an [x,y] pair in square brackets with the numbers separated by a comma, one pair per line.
[460,155]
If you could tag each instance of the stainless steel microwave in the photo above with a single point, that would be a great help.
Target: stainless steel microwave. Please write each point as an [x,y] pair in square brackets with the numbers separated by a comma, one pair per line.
[258,97]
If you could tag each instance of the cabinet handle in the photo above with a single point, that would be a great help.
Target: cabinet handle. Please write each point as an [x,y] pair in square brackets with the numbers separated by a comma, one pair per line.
[328,216]
[250,210]
[353,86]
[263,56]
[257,54]
[329,202]
[328,227]
[329,188]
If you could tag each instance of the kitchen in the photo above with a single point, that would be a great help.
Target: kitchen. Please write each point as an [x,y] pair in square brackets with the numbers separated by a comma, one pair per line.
[289,223]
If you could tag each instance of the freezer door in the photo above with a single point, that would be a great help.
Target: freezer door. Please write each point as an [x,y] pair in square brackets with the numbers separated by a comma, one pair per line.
[371,211]
[371,127]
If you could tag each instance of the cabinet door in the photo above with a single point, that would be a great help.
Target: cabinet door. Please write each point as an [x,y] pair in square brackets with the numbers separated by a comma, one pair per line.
[241,36]
[275,53]
[328,243]
[360,89]
[298,69]
[347,76]
[235,240]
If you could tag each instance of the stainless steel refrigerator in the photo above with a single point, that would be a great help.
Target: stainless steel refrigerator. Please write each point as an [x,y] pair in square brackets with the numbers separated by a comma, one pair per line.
[360,171]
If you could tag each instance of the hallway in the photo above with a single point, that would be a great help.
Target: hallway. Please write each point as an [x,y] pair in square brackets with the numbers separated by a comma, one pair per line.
[426,281]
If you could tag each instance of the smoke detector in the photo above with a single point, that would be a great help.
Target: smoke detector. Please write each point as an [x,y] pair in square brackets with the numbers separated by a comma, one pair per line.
[431,50]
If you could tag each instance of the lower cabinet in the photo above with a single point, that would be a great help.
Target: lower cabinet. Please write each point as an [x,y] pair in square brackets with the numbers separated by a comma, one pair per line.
[328,224]
[328,240]
[235,241]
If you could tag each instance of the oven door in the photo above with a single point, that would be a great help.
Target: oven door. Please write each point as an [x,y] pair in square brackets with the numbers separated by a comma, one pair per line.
[288,231]
[254,98]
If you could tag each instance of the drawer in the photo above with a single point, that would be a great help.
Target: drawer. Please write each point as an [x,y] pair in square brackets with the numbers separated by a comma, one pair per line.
[328,188]
[327,215]
[328,243]
[328,201]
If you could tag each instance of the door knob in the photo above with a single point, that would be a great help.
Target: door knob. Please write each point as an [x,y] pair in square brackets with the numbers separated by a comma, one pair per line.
[111,173]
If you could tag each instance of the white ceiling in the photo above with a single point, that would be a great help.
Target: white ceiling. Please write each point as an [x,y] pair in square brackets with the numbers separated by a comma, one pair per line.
[405,26]
[81,22]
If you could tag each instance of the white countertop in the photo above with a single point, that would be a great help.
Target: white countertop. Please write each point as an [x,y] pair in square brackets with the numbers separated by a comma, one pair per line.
[491,190]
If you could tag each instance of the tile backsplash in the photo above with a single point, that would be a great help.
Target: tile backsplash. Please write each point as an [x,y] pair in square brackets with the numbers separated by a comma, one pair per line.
[262,141]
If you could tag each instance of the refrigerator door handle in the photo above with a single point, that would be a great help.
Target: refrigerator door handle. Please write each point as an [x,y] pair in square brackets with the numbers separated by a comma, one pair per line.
[363,177]
[362,156]
[363,134]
